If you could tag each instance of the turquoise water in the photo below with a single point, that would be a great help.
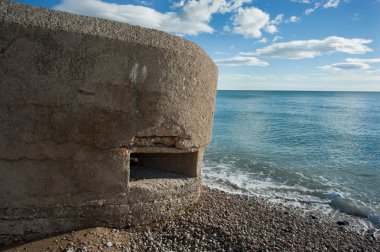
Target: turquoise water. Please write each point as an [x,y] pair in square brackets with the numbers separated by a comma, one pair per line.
[301,147]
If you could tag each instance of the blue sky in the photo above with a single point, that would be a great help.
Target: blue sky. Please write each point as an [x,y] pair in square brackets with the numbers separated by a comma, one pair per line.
[264,44]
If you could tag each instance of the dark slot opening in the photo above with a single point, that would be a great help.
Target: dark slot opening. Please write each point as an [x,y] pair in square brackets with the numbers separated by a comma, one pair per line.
[162,165]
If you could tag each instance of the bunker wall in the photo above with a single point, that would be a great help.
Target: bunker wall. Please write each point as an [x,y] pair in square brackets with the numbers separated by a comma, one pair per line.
[78,95]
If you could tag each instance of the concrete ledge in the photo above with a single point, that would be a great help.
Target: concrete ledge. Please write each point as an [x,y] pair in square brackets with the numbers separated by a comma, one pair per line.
[148,201]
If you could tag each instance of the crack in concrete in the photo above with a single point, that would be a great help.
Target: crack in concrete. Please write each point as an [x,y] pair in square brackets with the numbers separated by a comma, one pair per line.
[84,92]
[3,50]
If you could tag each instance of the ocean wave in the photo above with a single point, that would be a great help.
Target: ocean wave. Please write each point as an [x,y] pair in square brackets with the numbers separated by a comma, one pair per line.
[225,176]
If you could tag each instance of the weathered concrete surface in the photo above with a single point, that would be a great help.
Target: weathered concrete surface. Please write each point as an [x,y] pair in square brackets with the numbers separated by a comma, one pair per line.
[78,95]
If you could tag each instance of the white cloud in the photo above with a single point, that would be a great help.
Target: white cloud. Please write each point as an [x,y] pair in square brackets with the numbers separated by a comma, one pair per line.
[122,13]
[277,20]
[331,4]
[193,17]
[346,66]
[144,2]
[310,10]
[226,28]
[179,4]
[263,40]
[276,38]
[221,53]
[301,1]
[241,61]
[249,22]
[356,60]
[356,17]
[352,64]
[232,5]
[271,29]
[293,19]
[327,5]
[301,49]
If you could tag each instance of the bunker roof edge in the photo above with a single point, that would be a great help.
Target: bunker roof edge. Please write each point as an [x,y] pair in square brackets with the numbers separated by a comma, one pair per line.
[59,20]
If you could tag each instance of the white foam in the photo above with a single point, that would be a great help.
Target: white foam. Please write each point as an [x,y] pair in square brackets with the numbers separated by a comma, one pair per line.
[224,176]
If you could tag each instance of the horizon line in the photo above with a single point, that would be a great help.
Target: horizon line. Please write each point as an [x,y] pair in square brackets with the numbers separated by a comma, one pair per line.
[290,90]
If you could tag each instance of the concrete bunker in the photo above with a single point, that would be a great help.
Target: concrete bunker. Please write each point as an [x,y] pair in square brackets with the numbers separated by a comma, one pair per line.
[80,98]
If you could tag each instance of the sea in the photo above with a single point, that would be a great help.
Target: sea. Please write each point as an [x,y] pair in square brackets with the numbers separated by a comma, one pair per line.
[313,150]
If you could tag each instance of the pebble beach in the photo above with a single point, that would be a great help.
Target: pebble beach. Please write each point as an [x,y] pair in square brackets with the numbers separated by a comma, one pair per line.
[220,222]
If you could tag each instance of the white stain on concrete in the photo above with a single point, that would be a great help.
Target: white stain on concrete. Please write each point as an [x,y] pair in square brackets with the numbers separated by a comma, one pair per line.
[134,72]
[144,73]
[138,75]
